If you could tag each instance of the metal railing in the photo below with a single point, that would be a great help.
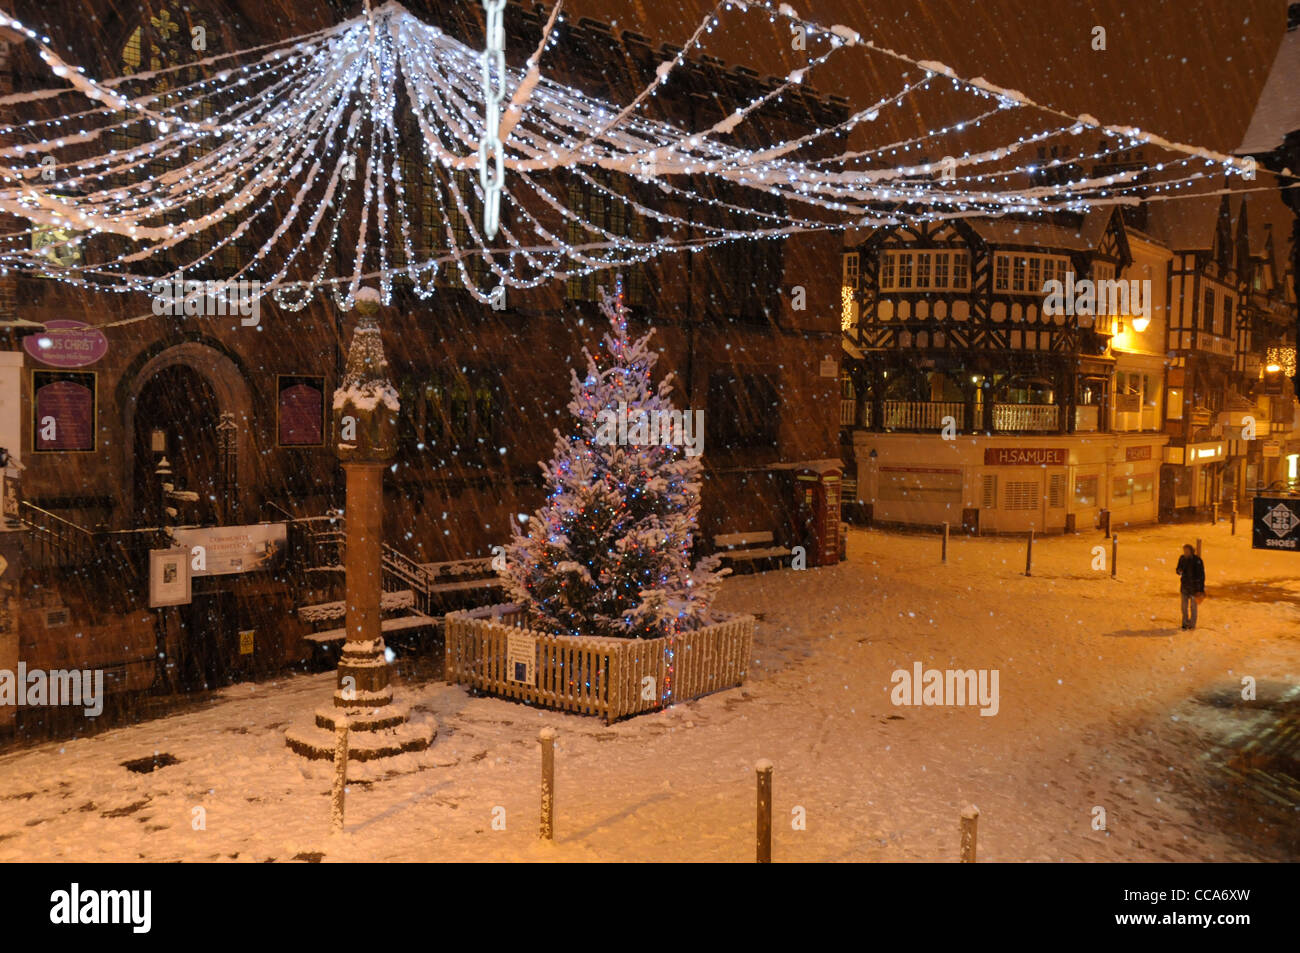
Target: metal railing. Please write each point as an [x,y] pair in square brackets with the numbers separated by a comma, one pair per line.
[1036,418]
[922,414]
[57,543]
[401,572]
[113,564]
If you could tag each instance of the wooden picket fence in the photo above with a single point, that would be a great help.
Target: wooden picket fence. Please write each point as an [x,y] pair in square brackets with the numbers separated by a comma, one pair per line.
[596,676]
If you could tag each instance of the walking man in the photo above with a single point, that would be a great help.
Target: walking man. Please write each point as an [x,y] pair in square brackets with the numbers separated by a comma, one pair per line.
[1192,588]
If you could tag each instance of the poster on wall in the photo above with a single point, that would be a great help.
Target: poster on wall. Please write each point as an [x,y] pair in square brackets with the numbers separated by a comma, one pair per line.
[301,411]
[63,411]
[169,578]
[223,550]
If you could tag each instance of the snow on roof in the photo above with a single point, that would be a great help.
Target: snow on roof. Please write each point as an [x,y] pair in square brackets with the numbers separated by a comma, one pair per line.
[1278,111]
[1185,225]
[1005,231]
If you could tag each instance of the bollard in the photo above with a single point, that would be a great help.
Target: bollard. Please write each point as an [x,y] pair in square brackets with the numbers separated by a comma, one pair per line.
[1114,555]
[1198,546]
[547,738]
[340,773]
[969,821]
[1234,517]
[943,557]
[763,768]
[1029,554]
[1214,514]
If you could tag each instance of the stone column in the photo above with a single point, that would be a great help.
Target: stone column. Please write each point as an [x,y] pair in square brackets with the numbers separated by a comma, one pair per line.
[365,421]
[363,650]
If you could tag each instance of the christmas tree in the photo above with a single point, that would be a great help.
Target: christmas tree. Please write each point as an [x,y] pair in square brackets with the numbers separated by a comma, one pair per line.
[609,552]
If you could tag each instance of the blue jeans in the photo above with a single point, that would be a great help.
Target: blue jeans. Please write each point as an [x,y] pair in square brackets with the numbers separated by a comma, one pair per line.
[1189,609]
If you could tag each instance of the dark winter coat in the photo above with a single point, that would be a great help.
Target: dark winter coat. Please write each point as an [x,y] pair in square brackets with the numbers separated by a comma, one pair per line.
[1193,572]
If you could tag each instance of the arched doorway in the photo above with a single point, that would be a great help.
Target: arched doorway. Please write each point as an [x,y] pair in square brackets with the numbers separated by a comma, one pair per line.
[176,417]
[185,391]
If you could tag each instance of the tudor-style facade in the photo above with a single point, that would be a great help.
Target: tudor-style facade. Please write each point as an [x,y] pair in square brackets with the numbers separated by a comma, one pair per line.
[965,401]
[1229,411]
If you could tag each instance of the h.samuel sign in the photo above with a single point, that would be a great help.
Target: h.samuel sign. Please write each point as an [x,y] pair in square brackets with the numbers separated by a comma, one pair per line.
[1024,457]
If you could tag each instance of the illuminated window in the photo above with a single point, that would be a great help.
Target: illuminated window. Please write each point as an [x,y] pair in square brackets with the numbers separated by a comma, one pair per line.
[905,270]
[851,265]
[1174,403]
[924,271]
[1018,273]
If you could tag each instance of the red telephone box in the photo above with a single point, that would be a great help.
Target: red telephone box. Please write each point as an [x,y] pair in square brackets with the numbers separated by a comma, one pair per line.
[817,499]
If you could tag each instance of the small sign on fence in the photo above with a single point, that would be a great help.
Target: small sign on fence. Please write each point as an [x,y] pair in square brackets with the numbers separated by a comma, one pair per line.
[521,659]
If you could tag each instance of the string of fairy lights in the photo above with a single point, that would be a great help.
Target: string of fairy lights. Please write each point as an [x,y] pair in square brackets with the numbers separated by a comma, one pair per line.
[371,134]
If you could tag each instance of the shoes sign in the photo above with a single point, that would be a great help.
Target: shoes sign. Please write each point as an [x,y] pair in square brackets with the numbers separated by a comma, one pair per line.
[1276,523]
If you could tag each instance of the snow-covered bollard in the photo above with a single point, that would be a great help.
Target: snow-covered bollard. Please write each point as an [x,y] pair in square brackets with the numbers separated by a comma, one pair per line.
[969,822]
[547,739]
[340,774]
[763,768]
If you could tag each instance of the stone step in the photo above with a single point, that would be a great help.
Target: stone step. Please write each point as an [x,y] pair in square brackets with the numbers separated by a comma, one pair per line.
[317,744]
[363,719]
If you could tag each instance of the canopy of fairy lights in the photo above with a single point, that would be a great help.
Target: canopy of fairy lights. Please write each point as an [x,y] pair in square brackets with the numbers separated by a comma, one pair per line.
[300,155]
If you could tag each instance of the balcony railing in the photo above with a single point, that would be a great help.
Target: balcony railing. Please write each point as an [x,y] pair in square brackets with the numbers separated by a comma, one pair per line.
[922,414]
[848,412]
[1026,418]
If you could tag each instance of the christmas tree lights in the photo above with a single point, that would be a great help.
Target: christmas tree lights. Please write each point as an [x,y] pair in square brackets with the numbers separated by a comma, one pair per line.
[609,551]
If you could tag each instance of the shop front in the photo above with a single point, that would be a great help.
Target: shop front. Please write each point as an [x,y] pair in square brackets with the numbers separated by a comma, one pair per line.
[999,485]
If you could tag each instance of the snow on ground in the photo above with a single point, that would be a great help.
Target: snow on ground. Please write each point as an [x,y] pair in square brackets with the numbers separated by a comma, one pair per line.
[1104,702]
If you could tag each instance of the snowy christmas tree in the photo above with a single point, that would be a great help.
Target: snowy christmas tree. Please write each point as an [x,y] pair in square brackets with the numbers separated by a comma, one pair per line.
[609,552]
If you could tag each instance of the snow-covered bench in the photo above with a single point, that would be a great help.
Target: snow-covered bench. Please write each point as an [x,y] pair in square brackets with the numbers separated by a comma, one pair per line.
[751,548]
[404,623]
